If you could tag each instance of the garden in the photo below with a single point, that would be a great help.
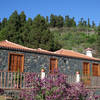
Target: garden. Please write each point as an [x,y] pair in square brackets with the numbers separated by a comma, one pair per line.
[52,87]
[55,87]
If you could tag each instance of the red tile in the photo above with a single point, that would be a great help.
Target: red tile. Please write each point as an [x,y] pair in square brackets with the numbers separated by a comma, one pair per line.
[61,52]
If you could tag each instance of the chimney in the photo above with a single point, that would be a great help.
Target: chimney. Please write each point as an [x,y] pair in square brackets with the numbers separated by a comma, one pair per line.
[89,52]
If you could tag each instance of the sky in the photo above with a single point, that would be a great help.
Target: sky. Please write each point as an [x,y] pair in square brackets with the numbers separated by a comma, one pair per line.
[74,8]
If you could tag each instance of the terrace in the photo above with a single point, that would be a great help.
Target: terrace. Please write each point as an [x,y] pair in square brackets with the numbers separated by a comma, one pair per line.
[16,80]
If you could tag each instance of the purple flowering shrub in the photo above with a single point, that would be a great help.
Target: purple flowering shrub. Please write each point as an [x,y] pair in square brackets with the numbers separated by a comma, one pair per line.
[1,91]
[54,87]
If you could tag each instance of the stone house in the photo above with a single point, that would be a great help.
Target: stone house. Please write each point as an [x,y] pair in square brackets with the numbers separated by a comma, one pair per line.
[18,58]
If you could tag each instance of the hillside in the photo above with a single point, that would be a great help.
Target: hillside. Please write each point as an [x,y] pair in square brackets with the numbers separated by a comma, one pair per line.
[76,39]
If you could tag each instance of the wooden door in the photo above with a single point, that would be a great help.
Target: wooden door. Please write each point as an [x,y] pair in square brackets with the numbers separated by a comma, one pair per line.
[53,65]
[86,73]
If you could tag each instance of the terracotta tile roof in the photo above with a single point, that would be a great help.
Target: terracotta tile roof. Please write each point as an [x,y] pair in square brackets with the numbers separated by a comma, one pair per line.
[71,53]
[10,45]
[61,52]
[45,51]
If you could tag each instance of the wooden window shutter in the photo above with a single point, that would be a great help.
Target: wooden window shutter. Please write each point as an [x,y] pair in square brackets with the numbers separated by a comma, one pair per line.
[86,69]
[53,65]
[86,73]
[95,69]
[16,62]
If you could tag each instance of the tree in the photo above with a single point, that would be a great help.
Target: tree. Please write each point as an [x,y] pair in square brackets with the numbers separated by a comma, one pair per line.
[47,19]
[24,36]
[59,21]
[4,23]
[80,24]
[84,23]
[3,34]
[55,45]
[13,28]
[0,26]
[89,23]
[22,23]
[70,22]
[93,24]
[14,20]
[53,20]
[39,33]
[67,21]
[22,18]
[73,23]
[40,36]
[29,22]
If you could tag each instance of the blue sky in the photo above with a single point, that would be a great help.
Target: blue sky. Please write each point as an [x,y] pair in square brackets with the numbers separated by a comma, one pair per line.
[73,8]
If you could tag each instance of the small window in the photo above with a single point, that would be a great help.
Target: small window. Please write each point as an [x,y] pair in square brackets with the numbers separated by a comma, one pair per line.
[53,65]
[95,69]
[86,69]
[15,62]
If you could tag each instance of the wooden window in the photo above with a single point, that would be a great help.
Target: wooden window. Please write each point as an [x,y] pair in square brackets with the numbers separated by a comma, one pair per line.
[86,69]
[95,69]
[53,65]
[15,62]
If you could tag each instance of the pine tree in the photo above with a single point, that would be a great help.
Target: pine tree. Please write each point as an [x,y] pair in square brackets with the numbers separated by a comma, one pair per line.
[4,23]
[59,21]
[39,33]
[80,24]
[40,36]
[13,27]
[67,21]
[93,24]
[47,19]
[70,22]
[29,22]
[84,23]
[26,32]
[0,26]
[73,23]
[53,20]
[89,23]
[22,22]
[22,18]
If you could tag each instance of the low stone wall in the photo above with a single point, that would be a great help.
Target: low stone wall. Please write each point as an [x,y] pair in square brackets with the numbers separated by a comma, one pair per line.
[14,94]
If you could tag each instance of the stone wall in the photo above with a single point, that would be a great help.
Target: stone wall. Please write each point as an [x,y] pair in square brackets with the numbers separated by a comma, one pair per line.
[34,61]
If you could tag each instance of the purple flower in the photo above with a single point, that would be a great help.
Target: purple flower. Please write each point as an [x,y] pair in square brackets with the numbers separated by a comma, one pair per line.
[54,87]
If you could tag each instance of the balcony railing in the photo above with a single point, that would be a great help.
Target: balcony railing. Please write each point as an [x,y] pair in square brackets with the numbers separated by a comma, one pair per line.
[16,80]
[12,80]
